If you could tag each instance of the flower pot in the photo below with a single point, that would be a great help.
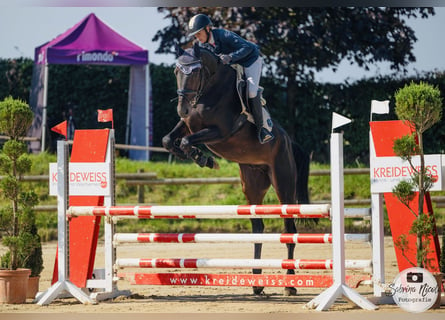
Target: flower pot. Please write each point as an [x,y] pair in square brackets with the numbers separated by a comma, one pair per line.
[33,287]
[13,285]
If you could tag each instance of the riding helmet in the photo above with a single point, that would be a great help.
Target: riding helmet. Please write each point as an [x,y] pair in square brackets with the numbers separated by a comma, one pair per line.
[198,22]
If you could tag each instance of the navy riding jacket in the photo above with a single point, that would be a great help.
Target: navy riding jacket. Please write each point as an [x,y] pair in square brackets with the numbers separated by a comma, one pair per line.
[241,51]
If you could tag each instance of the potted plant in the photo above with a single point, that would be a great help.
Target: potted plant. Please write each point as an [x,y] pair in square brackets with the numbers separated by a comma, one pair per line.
[17,218]
[420,105]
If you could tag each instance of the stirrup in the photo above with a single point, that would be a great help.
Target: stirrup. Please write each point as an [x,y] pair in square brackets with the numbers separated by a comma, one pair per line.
[265,136]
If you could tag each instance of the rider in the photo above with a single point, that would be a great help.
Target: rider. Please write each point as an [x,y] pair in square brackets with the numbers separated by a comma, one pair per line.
[231,48]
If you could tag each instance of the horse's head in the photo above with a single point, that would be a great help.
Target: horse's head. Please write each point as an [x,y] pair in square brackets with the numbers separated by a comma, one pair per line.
[194,67]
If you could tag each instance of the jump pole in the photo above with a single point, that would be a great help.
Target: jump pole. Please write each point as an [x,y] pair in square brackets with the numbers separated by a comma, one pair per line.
[339,289]
[232,238]
[297,264]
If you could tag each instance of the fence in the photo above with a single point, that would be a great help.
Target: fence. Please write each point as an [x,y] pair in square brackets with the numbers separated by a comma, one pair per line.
[142,179]
[335,212]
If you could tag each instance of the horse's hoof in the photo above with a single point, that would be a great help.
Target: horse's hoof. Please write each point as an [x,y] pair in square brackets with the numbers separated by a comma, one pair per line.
[185,145]
[258,290]
[212,164]
[290,292]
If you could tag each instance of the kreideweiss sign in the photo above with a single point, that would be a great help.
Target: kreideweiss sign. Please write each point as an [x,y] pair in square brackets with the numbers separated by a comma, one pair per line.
[92,179]
[387,172]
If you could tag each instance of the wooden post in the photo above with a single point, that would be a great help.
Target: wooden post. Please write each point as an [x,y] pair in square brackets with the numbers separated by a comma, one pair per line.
[141,190]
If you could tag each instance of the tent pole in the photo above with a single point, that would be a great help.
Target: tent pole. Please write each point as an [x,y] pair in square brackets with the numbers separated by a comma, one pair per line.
[127,129]
[147,109]
[45,102]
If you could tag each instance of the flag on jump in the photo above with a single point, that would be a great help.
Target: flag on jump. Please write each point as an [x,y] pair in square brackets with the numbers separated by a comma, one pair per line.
[105,116]
[61,128]
[338,120]
[380,107]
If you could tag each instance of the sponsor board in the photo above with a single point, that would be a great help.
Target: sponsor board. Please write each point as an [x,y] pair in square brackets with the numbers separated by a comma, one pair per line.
[387,172]
[85,179]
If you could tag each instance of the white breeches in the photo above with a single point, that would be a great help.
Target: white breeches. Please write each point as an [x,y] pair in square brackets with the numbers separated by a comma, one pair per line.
[253,75]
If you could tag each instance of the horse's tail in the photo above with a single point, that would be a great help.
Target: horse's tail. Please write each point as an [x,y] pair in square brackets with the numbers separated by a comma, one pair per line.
[302,161]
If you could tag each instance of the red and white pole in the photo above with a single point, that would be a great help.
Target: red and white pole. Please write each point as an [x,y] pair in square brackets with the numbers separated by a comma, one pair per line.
[302,238]
[210,212]
[301,264]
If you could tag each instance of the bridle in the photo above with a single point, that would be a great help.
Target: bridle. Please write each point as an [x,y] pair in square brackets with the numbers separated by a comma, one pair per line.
[188,69]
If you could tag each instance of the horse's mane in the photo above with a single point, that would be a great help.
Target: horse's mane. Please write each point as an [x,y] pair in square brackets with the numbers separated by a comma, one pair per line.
[204,52]
[200,55]
[211,53]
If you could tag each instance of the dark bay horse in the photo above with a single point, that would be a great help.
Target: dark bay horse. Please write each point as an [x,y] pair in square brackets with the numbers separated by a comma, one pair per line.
[210,107]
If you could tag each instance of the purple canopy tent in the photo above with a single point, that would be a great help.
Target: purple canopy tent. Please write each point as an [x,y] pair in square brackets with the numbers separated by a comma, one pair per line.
[91,41]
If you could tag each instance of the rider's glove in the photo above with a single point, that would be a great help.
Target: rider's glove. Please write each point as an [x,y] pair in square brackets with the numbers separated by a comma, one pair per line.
[225,58]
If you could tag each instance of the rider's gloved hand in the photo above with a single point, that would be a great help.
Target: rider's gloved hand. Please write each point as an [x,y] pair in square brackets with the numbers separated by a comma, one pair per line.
[225,58]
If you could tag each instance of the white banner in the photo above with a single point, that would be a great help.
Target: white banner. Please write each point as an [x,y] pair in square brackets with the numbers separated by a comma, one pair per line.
[85,179]
[387,172]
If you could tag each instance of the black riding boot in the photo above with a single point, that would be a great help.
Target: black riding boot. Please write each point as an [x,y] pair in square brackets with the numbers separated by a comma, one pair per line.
[264,134]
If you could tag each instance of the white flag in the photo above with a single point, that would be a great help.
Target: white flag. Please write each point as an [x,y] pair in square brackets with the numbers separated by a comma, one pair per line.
[338,120]
[380,107]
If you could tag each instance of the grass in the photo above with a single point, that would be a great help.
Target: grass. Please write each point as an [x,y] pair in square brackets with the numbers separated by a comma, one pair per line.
[356,187]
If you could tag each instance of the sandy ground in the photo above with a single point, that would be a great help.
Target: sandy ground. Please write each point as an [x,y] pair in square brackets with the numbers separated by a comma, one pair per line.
[215,300]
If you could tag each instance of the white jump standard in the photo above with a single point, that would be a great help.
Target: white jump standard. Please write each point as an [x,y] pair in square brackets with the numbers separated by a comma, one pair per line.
[339,288]
[63,285]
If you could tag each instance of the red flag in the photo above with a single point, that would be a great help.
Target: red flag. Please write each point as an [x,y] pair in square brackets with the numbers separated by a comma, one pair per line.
[61,128]
[104,115]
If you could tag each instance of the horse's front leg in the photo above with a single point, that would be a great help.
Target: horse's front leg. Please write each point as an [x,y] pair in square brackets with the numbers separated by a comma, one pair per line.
[172,140]
[207,135]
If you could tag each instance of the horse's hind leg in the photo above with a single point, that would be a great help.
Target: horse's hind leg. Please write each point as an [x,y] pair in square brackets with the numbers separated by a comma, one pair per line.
[257,227]
[284,181]
[289,227]
[255,182]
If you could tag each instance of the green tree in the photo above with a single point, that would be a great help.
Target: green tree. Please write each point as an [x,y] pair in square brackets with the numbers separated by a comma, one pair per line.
[421,105]
[298,41]
[85,89]
[311,123]
[16,78]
